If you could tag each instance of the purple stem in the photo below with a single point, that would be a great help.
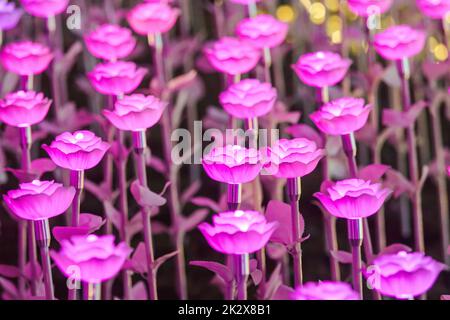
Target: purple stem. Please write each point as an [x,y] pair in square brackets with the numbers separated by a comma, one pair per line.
[43,240]
[76,181]
[140,146]
[294,190]
[26,141]
[404,72]
[123,205]
[355,236]
[173,201]
[329,222]
[241,274]
[441,180]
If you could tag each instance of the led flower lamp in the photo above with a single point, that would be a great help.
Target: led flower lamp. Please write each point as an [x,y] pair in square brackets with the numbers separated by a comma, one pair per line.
[321,69]
[434,9]
[238,233]
[325,290]
[77,152]
[293,159]
[37,202]
[96,259]
[403,275]
[110,42]
[9,16]
[116,78]
[263,32]
[232,56]
[26,59]
[233,165]
[354,199]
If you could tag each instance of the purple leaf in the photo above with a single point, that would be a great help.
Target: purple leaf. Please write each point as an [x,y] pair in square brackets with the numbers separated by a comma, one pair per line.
[89,223]
[399,119]
[145,197]
[283,293]
[342,256]
[182,82]
[9,288]
[398,183]
[206,202]
[276,251]
[9,271]
[433,70]
[219,269]
[159,262]
[305,131]
[395,248]
[42,165]
[139,259]
[281,212]
[190,191]
[139,291]
[373,172]
[189,223]
[274,282]
[256,276]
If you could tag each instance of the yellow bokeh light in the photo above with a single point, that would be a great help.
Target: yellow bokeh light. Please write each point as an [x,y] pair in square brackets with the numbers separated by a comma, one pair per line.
[285,13]
[317,13]
[432,43]
[441,52]
[334,28]
[332,5]
[306,4]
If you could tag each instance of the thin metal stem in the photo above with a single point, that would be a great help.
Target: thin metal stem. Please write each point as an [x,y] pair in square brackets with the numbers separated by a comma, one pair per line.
[294,192]
[42,231]
[241,273]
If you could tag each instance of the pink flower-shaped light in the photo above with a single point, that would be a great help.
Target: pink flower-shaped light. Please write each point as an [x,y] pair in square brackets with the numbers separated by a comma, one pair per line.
[293,158]
[39,200]
[325,290]
[110,42]
[116,78]
[435,9]
[136,112]
[152,17]
[80,150]
[232,56]
[399,42]
[403,275]
[238,232]
[25,58]
[341,116]
[9,15]
[96,257]
[248,99]
[366,8]
[232,164]
[353,198]
[44,8]
[262,31]
[24,108]
[321,69]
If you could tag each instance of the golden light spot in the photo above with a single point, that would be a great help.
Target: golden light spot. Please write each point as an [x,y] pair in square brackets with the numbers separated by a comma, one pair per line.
[285,13]
[332,5]
[441,52]
[432,43]
[317,13]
